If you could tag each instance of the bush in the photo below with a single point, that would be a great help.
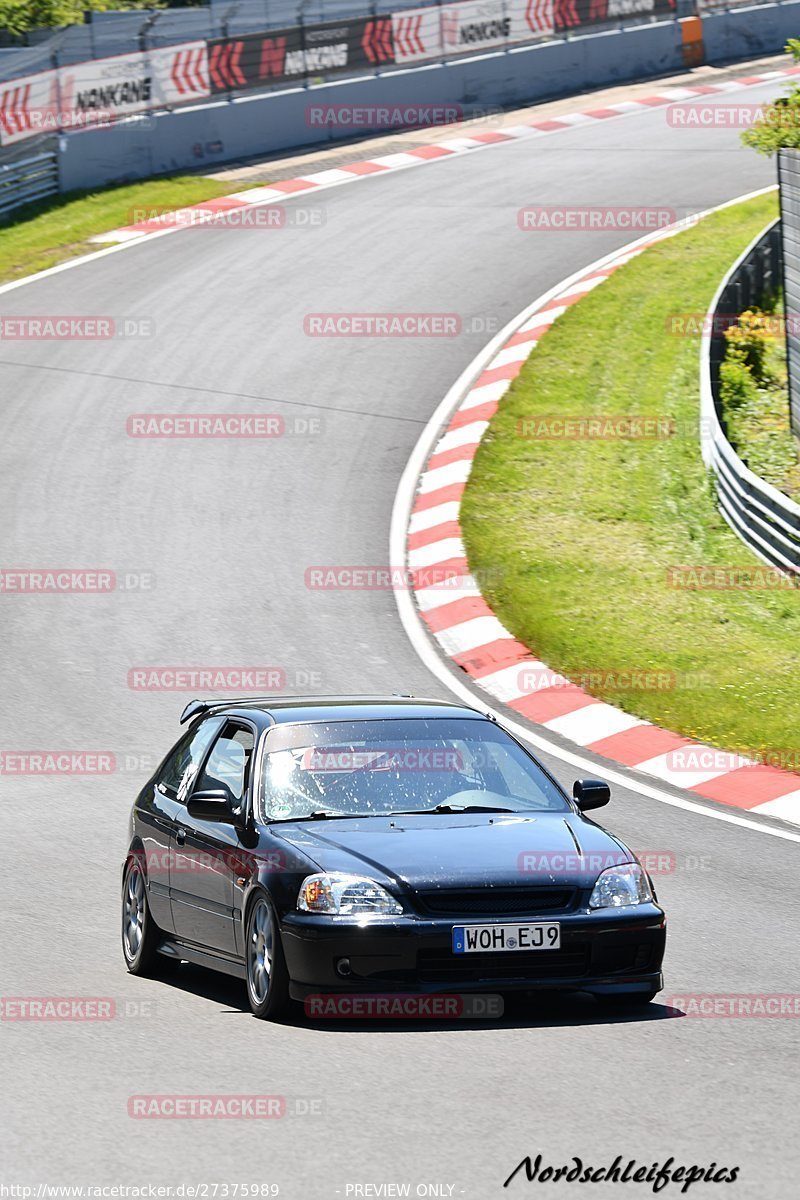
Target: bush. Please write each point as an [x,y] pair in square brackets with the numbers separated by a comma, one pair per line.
[779,125]
[749,341]
[755,401]
[737,386]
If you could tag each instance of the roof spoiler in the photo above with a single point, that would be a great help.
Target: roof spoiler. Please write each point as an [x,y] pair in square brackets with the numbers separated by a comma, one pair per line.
[193,709]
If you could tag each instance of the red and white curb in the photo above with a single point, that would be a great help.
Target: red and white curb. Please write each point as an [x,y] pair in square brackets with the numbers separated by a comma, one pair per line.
[470,635]
[215,211]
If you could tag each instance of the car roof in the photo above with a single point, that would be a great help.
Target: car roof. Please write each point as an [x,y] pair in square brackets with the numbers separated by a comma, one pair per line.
[285,710]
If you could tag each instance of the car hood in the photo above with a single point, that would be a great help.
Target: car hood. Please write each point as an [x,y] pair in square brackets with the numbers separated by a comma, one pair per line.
[462,849]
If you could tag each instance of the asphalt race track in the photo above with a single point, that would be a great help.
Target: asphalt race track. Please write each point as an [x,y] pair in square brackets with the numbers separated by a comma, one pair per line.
[224,532]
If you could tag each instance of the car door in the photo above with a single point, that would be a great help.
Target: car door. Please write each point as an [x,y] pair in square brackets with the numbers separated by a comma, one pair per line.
[206,853]
[158,808]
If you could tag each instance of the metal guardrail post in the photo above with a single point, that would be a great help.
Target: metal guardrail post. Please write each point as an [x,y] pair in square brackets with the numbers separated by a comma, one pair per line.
[301,21]
[788,189]
[373,16]
[144,30]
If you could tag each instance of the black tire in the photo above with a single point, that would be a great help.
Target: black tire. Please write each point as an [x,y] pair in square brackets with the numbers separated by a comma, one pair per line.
[140,934]
[267,979]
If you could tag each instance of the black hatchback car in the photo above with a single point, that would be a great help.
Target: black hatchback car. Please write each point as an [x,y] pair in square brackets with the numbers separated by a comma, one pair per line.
[357,845]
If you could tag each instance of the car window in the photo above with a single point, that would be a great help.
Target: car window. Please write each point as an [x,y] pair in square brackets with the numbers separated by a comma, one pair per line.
[517,779]
[400,765]
[227,766]
[182,764]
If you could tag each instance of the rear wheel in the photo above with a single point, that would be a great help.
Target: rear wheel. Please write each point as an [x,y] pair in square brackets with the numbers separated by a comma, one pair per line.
[267,976]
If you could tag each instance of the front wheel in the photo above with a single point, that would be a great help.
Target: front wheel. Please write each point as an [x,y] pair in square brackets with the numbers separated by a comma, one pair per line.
[267,976]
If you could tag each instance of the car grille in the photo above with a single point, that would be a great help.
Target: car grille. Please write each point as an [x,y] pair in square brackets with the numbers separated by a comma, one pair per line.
[453,902]
[435,967]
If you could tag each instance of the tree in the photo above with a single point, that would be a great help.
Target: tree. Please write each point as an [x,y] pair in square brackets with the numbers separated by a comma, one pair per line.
[779,124]
[17,17]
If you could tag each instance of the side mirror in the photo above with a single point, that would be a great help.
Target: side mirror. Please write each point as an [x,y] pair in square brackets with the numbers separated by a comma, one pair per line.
[591,793]
[212,805]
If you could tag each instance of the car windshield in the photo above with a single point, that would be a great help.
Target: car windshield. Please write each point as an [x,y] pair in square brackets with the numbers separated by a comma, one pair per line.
[376,768]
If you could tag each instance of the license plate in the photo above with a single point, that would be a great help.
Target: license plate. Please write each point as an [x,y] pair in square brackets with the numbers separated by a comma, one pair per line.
[488,939]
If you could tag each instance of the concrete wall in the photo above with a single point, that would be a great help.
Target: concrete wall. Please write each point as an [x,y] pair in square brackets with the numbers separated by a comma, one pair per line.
[225,131]
[750,32]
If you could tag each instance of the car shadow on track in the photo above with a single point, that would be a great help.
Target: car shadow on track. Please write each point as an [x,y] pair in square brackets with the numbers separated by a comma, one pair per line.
[519,1010]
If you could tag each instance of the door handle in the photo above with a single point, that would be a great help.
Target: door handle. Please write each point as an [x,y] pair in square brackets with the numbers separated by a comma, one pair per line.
[180,836]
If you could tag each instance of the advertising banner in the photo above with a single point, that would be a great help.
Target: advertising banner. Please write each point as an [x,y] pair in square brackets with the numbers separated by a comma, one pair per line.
[468,26]
[102,91]
[579,14]
[299,53]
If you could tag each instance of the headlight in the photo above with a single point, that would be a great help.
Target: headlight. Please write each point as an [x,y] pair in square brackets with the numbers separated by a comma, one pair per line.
[346,895]
[618,887]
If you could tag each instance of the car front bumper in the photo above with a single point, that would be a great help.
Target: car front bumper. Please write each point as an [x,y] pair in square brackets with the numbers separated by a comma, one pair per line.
[604,951]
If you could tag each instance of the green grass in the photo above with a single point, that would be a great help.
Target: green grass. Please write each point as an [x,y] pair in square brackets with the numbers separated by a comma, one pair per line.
[573,539]
[53,231]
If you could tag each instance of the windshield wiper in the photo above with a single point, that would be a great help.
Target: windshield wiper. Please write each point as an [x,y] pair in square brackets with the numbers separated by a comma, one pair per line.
[455,808]
[324,815]
[320,815]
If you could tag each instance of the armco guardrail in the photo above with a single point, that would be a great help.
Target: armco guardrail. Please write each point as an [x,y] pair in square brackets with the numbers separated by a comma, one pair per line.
[28,178]
[763,517]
